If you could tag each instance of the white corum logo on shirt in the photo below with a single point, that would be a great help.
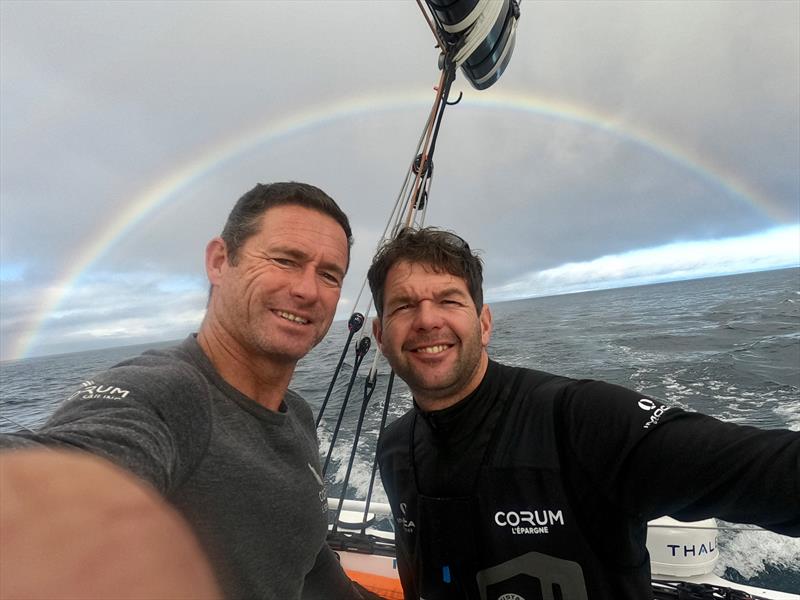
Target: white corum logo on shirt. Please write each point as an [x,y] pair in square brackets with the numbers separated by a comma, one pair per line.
[647,405]
[323,491]
[90,391]
[529,522]
[407,524]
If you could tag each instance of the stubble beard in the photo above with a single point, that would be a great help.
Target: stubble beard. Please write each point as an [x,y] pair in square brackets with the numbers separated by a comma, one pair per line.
[270,343]
[259,339]
[252,328]
[436,387]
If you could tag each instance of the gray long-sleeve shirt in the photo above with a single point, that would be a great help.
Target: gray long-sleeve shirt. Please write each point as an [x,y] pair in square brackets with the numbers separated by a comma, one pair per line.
[246,478]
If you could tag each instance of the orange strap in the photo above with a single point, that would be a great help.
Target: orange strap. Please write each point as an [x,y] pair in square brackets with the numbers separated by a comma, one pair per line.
[385,587]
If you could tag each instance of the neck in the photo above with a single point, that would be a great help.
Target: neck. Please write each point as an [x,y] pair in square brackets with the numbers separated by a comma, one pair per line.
[447,397]
[260,378]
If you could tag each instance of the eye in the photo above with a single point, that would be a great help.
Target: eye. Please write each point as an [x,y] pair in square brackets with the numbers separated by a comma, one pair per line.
[452,302]
[284,262]
[331,278]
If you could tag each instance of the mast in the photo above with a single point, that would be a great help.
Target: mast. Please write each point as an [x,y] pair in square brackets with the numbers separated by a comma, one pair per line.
[476,36]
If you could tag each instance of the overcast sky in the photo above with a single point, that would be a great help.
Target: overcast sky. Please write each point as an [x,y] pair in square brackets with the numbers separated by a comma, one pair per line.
[626,143]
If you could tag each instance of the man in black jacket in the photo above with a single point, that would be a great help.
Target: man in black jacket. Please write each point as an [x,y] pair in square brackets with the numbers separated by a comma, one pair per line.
[513,483]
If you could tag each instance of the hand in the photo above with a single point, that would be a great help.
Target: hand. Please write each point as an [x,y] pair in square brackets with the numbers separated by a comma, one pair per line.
[73,525]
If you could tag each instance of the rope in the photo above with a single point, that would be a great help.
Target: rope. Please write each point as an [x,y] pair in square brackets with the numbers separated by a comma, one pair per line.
[717,528]
[681,590]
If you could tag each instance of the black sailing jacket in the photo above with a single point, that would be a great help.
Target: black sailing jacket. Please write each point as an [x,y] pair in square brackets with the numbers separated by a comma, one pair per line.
[542,486]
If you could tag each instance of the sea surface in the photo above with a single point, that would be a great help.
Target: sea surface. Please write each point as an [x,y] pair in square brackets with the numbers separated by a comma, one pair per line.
[724,346]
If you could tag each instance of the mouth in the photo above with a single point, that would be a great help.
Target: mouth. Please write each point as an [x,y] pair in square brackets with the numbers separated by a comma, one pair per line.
[291,317]
[436,349]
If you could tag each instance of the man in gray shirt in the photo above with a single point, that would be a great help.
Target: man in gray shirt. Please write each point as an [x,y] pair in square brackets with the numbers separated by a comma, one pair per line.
[211,423]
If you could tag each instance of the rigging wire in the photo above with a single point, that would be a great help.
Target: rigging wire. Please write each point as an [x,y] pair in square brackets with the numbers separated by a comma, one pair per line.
[354,324]
[395,217]
[424,172]
[409,210]
[386,401]
[429,21]
[369,387]
[13,422]
[361,351]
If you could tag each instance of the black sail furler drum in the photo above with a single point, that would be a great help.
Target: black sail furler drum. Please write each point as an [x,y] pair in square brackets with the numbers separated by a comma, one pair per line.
[481,34]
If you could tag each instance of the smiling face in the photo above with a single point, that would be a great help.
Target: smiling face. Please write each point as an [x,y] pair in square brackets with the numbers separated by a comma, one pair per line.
[279,297]
[432,334]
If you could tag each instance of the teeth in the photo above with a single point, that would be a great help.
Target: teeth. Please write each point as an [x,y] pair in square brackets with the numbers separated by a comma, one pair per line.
[433,349]
[291,317]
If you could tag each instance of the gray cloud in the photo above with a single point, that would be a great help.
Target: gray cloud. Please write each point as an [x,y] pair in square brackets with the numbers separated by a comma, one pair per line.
[700,139]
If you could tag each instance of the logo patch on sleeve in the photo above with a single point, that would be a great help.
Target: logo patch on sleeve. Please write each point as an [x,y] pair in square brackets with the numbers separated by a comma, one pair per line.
[646,404]
[91,391]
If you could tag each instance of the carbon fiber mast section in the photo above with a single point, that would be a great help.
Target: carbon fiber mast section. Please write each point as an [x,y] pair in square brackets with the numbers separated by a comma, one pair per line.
[482,33]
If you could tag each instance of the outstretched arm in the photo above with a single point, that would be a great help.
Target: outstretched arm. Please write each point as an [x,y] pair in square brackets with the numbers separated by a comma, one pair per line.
[75,526]
[151,419]
[654,460]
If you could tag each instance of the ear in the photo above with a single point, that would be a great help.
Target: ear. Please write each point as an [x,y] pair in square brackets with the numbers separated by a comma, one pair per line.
[377,332]
[486,325]
[216,259]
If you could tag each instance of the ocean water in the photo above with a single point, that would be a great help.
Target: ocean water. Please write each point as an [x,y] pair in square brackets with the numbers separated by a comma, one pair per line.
[725,346]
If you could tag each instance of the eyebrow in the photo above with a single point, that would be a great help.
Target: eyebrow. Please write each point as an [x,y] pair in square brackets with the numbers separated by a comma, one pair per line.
[399,299]
[405,298]
[453,291]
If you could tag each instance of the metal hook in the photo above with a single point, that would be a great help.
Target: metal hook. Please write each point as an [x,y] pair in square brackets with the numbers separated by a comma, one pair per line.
[456,101]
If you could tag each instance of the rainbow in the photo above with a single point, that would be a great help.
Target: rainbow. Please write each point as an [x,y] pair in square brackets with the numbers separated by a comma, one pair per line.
[169,186]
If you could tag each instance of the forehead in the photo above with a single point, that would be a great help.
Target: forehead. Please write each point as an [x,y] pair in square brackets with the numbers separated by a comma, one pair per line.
[420,279]
[281,219]
[282,215]
[301,225]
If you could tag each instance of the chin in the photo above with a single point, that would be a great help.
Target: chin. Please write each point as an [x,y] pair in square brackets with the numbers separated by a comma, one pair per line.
[284,352]
[431,388]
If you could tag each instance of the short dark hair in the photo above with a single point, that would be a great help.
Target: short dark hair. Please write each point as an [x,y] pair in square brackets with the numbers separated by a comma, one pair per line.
[441,250]
[244,220]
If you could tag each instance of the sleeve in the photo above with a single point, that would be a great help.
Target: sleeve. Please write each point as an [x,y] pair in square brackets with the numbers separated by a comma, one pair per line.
[152,419]
[655,460]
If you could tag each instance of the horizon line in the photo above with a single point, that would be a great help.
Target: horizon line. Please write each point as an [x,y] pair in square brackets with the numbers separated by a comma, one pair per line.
[344,317]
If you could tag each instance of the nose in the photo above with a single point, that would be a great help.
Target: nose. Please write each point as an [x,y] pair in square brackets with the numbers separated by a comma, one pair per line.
[427,316]
[305,284]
